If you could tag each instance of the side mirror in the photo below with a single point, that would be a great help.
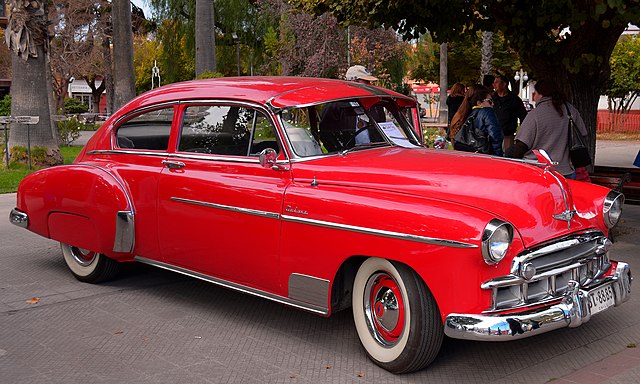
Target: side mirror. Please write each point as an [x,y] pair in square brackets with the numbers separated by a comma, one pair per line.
[268,158]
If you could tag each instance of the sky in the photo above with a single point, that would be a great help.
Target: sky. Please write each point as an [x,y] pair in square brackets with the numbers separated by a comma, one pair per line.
[144,5]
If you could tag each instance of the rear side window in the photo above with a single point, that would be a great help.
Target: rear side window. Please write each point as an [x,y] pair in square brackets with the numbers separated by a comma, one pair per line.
[226,130]
[148,131]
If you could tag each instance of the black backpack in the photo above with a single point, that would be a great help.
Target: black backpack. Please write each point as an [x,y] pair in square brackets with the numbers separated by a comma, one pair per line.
[471,139]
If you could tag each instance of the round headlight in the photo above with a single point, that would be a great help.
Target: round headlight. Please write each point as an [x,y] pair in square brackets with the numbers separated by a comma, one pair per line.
[496,240]
[612,208]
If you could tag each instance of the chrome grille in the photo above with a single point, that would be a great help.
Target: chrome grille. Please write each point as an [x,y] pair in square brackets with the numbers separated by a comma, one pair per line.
[580,257]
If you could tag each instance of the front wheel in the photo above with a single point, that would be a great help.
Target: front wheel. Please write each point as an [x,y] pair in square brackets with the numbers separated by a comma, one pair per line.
[89,266]
[396,316]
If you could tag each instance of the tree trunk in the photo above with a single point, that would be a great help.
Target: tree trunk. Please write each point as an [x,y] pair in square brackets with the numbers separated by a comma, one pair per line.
[487,53]
[124,84]
[29,97]
[444,86]
[96,93]
[28,38]
[205,37]
[108,74]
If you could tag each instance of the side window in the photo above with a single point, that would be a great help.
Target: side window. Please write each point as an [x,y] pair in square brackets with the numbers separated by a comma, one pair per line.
[148,131]
[264,135]
[225,130]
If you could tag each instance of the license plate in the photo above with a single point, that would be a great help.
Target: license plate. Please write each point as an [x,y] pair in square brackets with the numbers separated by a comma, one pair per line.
[601,298]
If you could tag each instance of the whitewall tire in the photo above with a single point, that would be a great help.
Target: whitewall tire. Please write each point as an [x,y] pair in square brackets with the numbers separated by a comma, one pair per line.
[396,316]
[89,266]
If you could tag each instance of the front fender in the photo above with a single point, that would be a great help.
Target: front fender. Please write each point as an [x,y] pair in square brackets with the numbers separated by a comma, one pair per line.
[81,205]
[325,225]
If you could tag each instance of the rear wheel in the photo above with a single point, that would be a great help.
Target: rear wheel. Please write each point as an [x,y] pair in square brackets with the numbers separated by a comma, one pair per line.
[89,266]
[396,316]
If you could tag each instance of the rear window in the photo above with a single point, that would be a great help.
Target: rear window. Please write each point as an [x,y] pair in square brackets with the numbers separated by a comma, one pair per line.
[149,131]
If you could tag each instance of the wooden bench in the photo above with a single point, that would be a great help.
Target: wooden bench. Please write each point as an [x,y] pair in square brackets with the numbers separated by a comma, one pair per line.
[625,180]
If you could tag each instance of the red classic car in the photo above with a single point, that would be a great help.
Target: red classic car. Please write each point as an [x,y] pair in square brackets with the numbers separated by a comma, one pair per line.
[318,194]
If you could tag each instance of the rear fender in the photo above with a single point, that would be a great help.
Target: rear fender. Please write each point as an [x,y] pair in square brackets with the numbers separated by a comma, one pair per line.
[81,205]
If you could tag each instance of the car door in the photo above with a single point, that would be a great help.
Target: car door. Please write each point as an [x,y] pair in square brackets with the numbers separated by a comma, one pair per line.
[140,146]
[219,209]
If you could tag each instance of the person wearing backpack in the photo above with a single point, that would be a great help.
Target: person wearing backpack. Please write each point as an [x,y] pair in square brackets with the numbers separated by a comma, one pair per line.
[480,131]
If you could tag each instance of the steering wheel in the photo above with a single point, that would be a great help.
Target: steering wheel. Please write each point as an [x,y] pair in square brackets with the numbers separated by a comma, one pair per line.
[353,137]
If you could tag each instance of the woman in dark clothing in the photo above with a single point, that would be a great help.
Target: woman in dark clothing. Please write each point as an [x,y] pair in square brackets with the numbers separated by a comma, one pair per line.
[485,119]
[454,100]
[461,114]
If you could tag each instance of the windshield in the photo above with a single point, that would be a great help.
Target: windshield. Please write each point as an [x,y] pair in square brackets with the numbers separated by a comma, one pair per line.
[344,125]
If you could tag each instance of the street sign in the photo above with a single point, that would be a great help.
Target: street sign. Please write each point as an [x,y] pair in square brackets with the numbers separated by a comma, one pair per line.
[31,120]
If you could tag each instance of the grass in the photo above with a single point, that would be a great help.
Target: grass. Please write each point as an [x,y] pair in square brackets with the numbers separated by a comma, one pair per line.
[10,178]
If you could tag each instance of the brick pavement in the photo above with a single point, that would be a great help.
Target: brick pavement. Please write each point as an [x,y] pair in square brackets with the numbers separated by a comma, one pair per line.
[154,326]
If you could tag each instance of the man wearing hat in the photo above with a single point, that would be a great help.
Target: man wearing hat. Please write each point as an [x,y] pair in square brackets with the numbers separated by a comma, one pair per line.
[359,74]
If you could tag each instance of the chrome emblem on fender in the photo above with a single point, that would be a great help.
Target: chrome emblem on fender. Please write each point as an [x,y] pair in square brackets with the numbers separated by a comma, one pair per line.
[295,210]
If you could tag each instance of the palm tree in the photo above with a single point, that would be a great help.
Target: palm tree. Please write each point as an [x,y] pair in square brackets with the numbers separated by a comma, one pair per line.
[487,54]
[27,36]
[124,85]
[205,37]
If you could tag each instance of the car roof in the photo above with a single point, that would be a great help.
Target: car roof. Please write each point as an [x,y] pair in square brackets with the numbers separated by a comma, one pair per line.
[277,92]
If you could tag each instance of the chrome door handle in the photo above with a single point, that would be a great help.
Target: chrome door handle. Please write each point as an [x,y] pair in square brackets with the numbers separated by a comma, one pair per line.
[173,164]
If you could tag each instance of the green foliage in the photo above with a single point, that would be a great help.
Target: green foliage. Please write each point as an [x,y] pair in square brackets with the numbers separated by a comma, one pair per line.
[422,62]
[72,105]
[146,52]
[176,32]
[5,106]
[623,87]
[69,153]
[210,75]
[20,155]
[69,130]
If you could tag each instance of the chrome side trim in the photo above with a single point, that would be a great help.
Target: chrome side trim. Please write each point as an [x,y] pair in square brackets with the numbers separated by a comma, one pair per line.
[320,310]
[270,215]
[309,289]
[182,155]
[141,110]
[573,311]
[19,218]
[125,232]
[125,152]
[379,232]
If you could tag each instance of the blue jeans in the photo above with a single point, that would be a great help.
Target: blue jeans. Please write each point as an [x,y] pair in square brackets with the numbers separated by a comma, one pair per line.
[571,176]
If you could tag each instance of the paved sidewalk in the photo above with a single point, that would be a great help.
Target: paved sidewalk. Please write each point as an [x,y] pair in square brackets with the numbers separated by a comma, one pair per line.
[153,326]
[623,366]
[616,153]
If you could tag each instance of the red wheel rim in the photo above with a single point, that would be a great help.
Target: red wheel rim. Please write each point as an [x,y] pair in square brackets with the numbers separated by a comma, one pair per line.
[385,309]
[82,256]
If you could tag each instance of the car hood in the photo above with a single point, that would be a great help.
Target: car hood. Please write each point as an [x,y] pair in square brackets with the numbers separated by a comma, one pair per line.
[523,194]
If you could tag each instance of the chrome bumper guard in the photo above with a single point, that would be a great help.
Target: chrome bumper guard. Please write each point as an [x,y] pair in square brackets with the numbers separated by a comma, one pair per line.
[18,218]
[573,311]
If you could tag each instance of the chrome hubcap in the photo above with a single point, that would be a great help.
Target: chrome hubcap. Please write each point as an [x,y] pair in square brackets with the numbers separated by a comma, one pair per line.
[384,309]
[82,256]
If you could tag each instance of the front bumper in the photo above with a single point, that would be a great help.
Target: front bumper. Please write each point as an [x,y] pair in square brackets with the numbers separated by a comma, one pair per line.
[573,311]
[18,218]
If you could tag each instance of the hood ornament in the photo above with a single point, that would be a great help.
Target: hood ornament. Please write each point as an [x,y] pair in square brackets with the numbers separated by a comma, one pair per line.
[544,159]
[565,216]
